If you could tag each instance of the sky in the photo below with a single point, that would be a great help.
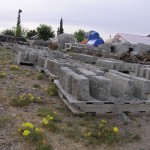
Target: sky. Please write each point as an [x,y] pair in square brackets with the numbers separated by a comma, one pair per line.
[108,17]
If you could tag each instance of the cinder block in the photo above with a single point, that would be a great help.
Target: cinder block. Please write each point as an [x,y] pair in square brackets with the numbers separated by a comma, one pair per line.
[65,78]
[121,86]
[147,74]
[100,88]
[85,72]
[142,86]
[108,64]
[137,69]
[41,61]
[80,87]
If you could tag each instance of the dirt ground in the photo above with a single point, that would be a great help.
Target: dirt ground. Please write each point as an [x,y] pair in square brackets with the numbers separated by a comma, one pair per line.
[23,81]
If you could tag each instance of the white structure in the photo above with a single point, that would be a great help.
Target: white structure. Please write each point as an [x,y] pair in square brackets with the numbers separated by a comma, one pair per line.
[132,39]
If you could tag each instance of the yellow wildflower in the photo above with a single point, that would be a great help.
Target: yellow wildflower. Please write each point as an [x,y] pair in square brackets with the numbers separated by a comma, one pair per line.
[38,129]
[32,98]
[21,97]
[39,98]
[115,129]
[103,121]
[26,132]
[28,125]
[50,117]
[45,121]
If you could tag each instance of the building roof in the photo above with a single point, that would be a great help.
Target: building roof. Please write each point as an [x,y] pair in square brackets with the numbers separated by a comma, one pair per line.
[135,39]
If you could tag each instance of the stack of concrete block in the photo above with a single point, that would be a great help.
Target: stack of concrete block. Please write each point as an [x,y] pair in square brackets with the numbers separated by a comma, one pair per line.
[142,86]
[100,88]
[121,87]
[80,87]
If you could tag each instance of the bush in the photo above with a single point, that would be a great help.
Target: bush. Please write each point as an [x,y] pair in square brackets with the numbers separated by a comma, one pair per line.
[2,74]
[39,76]
[14,67]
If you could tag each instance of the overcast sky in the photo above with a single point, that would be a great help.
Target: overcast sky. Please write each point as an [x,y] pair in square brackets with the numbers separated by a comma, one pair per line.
[108,17]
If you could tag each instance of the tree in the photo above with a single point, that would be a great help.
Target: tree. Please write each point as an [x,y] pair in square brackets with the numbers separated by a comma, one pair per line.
[60,29]
[8,32]
[18,28]
[45,32]
[79,35]
[31,33]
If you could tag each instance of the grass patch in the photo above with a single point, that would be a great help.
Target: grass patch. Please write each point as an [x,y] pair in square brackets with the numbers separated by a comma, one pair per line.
[39,76]
[4,120]
[51,89]
[36,85]
[25,100]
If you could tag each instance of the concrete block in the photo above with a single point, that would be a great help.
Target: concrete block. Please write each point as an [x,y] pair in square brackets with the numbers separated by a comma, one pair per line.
[65,78]
[100,88]
[108,64]
[121,86]
[147,74]
[80,87]
[137,69]
[41,61]
[142,86]
[85,73]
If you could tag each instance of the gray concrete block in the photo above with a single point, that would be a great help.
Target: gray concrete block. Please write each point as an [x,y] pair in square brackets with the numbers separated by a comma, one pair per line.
[147,74]
[108,64]
[41,61]
[142,85]
[121,86]
[137,69]
[85,72]
[100,88]
[80,87]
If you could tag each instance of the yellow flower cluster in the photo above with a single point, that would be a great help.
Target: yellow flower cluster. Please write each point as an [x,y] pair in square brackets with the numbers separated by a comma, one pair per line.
[28,125]
[47,119]
[115,129]
[103,122]
[30,97]
[26,132]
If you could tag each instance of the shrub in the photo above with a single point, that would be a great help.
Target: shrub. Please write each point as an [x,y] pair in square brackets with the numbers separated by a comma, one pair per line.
[2,74]
[14,67]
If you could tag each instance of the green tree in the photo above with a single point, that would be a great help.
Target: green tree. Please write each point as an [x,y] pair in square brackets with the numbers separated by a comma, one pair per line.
[79,35]
[31,33]
[18,28]
[61,27]
[8,32]
[45,32]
